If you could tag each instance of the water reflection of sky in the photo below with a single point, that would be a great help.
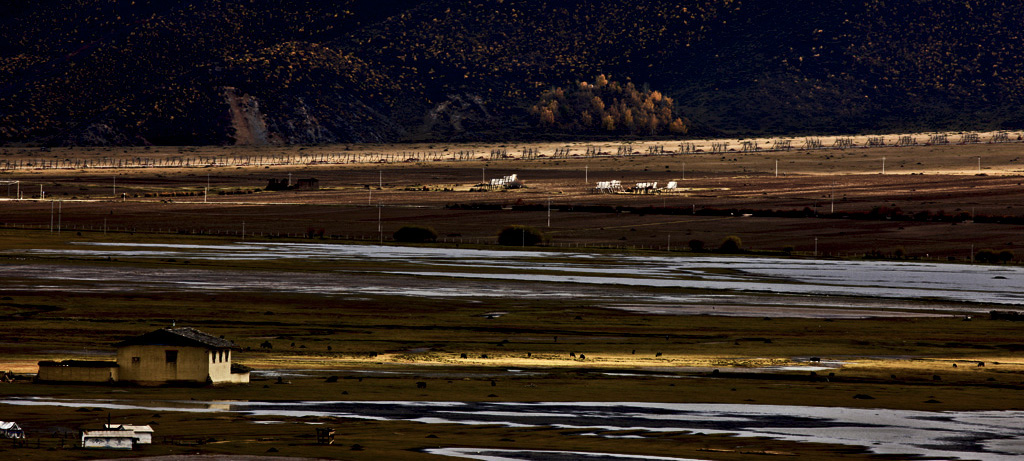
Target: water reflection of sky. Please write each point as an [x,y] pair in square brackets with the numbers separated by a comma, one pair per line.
[739,283]
[985,435]
[494,454]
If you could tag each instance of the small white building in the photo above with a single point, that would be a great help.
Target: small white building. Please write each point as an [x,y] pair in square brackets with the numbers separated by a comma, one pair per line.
[143,434]
[11,430]
[117,440]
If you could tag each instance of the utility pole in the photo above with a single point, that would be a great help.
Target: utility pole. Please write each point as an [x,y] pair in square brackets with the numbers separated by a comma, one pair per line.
[549,212]
[115,186]
[883,165]
[832,198]
[815,246]
[776,168]
[586,174]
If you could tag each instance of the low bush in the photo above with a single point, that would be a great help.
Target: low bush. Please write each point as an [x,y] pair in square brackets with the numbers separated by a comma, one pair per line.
[520,236]
[415,234]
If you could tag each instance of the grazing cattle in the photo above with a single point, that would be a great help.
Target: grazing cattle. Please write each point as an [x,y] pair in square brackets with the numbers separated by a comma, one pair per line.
[421,385]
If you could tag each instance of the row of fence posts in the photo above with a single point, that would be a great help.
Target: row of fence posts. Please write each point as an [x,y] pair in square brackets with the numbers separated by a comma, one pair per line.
[626,149]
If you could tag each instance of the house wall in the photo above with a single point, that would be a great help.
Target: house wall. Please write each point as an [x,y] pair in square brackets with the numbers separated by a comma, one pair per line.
[118,442]
[151,366]
[77,374]
[219,362]
[239,378]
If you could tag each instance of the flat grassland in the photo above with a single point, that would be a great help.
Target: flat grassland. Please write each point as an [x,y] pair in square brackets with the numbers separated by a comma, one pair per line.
[827,196]
[379,346]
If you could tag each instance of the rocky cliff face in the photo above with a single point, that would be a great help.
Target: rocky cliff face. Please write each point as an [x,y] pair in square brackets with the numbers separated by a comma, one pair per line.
[248,123]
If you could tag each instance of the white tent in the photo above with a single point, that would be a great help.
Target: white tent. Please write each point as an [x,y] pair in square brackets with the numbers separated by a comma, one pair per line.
[11,430]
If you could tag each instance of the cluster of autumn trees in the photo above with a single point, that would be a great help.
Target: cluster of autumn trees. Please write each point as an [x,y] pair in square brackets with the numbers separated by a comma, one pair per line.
[508,50]
[607,106]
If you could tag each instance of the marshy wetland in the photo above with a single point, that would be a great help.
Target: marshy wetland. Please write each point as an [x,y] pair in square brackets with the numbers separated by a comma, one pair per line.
[672,350]
[467,349]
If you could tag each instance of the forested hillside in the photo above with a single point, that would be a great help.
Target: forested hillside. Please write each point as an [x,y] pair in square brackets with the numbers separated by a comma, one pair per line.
[303,71]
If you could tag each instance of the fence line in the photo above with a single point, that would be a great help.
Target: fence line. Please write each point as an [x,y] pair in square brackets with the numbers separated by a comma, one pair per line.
[340,158]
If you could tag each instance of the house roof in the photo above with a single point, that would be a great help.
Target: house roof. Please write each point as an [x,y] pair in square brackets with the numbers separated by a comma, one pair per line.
[177,337]
[79,363]
[108,434]
[9,426]
[129,427]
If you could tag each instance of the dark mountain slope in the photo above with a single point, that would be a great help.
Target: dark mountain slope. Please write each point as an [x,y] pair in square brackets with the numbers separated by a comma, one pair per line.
[840,65]
[298,71]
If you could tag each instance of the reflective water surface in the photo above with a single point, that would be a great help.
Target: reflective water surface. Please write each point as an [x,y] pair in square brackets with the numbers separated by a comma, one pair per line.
[984,435]
[737,286]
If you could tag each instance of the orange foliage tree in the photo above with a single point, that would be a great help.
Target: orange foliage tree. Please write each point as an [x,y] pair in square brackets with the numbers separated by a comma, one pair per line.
[606,106]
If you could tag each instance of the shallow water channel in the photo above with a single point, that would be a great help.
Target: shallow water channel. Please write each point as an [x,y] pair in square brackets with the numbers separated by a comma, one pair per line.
[983,435]
[689,285]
